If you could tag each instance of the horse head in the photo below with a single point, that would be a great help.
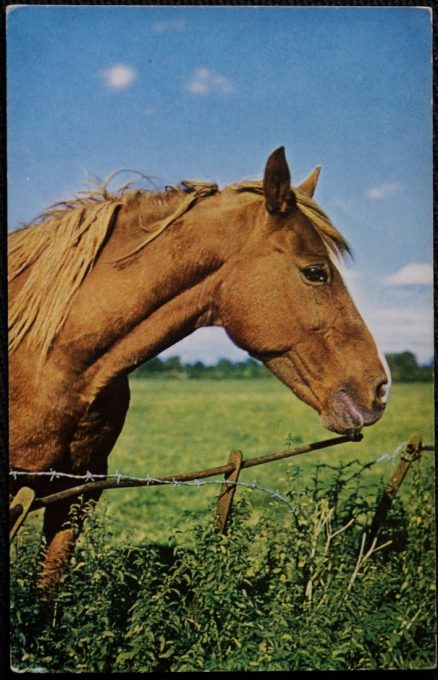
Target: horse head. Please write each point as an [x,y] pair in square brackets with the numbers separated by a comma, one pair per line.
[284,301]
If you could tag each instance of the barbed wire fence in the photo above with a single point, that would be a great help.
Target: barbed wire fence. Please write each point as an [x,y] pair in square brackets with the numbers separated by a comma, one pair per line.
[25,501]
[150,480]
[158,481]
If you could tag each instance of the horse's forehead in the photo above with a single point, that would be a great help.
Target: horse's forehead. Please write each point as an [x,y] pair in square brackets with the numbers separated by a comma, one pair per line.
[302,236]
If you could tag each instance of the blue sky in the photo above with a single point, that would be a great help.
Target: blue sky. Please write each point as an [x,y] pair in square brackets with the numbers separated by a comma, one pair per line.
[208,92]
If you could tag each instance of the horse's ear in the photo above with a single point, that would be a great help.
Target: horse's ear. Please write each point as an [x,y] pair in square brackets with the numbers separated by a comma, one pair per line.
[308,185]
[279,197]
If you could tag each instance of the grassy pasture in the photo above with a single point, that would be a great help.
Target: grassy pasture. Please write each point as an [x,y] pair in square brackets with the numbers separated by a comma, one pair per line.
[176,426]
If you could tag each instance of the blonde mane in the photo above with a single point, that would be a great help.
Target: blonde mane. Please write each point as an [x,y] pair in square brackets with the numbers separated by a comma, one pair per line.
[65,244]
[63,248]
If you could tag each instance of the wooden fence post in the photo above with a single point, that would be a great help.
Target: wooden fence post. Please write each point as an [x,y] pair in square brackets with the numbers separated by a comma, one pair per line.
[19,509]
[227,491]
[411,452]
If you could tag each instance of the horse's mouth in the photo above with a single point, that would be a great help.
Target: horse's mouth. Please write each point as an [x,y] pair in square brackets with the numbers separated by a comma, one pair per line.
[345,414]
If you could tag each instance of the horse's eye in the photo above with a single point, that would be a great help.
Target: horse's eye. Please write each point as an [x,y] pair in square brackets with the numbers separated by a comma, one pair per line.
[316,274]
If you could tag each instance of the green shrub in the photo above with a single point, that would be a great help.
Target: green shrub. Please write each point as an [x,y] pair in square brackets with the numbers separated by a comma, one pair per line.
[306,593]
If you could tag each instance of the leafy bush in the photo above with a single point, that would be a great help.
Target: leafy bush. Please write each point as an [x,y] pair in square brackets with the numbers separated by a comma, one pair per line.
[307,593]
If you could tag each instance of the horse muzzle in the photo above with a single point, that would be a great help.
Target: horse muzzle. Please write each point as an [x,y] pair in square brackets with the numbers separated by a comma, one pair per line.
[345,412]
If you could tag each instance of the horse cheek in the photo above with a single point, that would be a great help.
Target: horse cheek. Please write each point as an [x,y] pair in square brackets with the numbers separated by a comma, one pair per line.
[257,317]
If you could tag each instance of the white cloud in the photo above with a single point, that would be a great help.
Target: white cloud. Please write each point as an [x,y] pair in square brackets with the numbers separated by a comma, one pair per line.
[382,191]
[398,329]
[206,82]
[414,274]
[166,26]
[119,77]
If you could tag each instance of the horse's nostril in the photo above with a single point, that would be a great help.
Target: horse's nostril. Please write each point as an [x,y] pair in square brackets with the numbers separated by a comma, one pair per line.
[382,392]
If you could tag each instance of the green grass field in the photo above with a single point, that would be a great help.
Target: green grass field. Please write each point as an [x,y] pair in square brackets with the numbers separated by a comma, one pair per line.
[175,426]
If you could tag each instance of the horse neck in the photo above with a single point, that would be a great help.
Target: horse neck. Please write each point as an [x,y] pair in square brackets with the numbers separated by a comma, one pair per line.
[147,302]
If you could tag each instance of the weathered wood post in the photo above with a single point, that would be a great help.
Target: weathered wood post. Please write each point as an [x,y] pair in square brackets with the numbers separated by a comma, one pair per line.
[411,452]
[226,494]
[19,509]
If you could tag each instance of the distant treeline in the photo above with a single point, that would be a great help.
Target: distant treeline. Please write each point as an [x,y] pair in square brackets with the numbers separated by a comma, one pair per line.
[173,368]
[404,368]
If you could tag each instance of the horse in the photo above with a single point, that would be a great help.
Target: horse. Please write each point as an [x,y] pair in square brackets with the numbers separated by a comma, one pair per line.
[100,284]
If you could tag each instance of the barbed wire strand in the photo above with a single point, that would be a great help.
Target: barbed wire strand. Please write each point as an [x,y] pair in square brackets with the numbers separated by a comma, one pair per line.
[157,481]
[119,476]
